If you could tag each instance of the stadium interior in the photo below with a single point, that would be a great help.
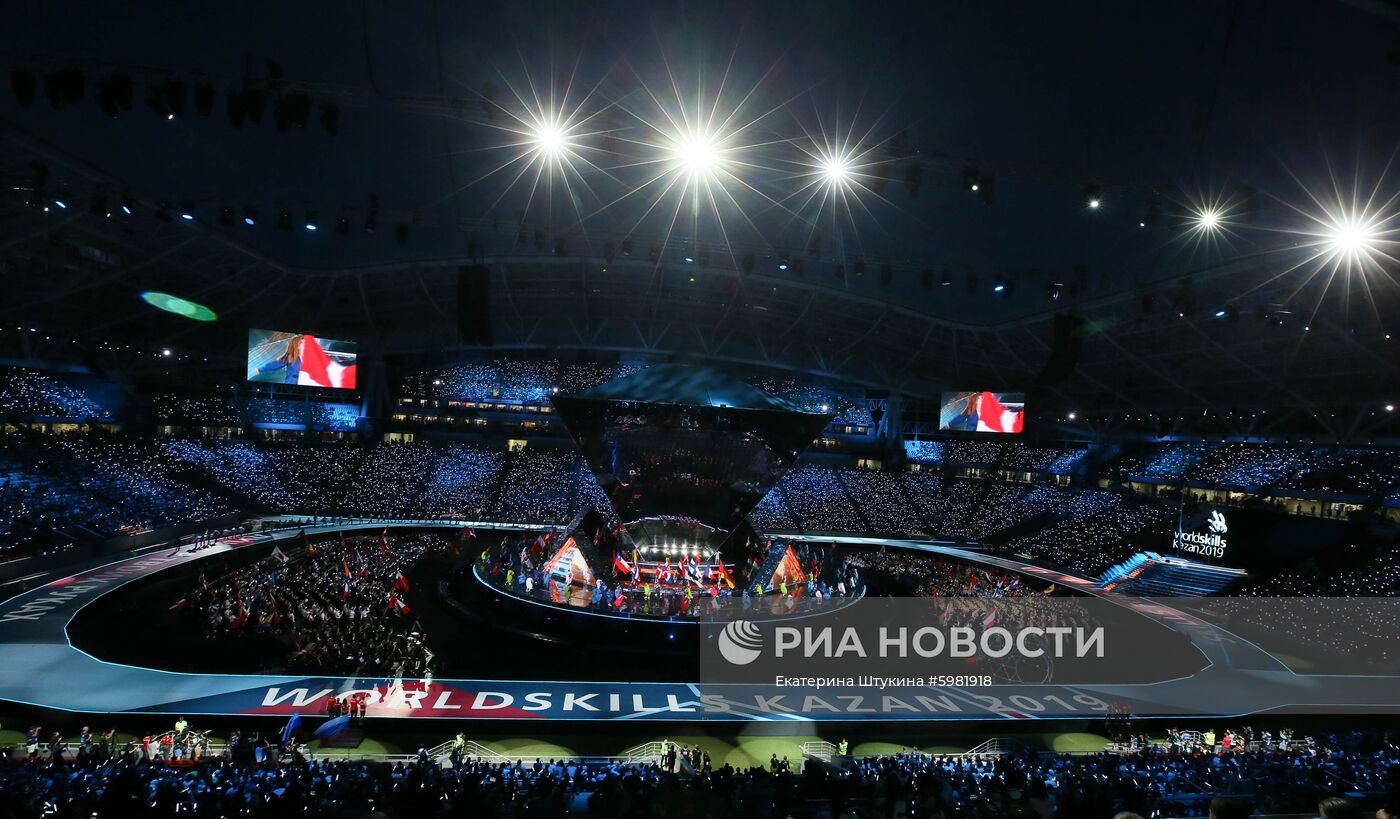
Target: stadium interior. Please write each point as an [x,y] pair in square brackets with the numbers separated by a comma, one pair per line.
[548,409]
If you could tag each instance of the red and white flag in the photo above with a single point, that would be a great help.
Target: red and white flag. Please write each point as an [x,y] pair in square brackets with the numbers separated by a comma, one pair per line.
[993,417]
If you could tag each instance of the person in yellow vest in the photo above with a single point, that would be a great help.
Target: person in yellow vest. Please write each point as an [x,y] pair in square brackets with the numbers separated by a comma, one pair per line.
[843,747]
[646,591]
[782,588]
[758,589]
[1208,740]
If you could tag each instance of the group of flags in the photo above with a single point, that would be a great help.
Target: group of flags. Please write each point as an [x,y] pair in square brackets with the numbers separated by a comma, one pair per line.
[689,567]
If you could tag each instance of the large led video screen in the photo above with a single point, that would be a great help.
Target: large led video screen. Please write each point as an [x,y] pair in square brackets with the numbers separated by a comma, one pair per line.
[1003,412]
[278,357]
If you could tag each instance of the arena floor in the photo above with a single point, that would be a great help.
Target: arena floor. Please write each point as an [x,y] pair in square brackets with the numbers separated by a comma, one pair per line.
[45,669]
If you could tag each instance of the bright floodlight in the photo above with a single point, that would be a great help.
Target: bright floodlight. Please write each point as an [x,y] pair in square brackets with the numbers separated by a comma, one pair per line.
[697,156]
[548,139]
[1208,219]
[1351,238]
[835,170]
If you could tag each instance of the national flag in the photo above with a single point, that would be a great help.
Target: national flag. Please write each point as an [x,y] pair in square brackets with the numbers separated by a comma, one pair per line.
[279,554]
[724,573]
[620,564]
[345,590]
[293,725]
[333,728]
[993,417]
[400,607]
[345,567]
[318,369]
[400,582]
[310,550]
[989,619]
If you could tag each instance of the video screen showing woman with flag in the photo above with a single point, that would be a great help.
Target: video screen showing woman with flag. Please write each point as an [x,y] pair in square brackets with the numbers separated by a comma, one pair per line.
[983,412]
[276,357]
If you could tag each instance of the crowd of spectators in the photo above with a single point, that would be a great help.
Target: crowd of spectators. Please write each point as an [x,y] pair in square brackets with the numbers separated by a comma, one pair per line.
[511,379]
[817,398]
[255,777]
[102,485]
[880,497]
[339,607]
[904,573]
[924,452]
[31,394]
[172,408]
[971,451]
[820,502]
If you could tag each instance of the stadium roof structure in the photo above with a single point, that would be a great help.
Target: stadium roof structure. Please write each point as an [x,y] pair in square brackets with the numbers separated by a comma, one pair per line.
[910,281]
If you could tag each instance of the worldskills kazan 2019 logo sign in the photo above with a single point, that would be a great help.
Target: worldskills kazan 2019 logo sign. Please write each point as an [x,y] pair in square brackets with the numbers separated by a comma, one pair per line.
[1209,543]
[740,642]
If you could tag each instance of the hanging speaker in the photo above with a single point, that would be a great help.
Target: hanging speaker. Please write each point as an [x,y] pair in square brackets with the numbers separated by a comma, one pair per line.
[1064,353]
[474,305]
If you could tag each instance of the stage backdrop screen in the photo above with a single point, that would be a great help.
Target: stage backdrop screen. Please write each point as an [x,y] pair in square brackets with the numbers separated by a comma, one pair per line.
[982,412]
[277,357]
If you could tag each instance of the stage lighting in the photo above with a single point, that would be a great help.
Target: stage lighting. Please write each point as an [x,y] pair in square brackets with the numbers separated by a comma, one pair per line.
[203,99]
[312,223]
[250,217]
[1350,238]
[1092,197]
[835,170]
[64,87]
[972,180]
[1390,408]
[548,140]
[946,280]
[330,118]
[783,263]
[998,286]
[24,85]
[1054,290]
[114,95]
[1208,219]
[696,156]
[1073,415]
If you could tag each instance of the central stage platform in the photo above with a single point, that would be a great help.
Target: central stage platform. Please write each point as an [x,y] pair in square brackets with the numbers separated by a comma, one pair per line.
[44,669]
